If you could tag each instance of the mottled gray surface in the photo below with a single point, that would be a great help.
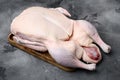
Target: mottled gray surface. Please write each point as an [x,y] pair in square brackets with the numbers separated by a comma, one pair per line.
[18,65]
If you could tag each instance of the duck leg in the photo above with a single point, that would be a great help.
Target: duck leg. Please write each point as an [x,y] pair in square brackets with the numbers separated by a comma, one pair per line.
[92,33]
[65,54]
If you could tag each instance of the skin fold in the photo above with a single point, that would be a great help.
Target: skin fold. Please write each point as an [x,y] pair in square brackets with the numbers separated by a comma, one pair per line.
[68,41]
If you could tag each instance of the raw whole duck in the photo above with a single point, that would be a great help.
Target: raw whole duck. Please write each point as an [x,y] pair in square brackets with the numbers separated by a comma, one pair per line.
[68,41]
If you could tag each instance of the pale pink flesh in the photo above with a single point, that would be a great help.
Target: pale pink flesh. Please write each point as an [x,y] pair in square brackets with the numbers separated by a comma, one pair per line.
[92,53]
[92,33]
[49,31]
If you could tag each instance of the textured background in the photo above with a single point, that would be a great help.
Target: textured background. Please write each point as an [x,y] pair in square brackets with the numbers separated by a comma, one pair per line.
[18,65]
